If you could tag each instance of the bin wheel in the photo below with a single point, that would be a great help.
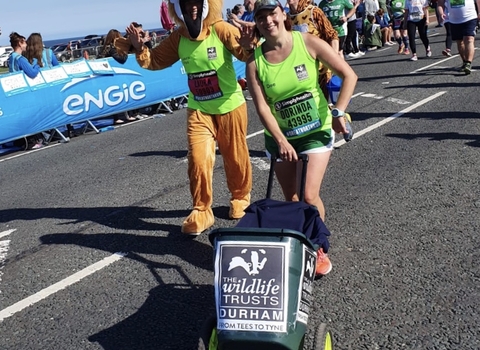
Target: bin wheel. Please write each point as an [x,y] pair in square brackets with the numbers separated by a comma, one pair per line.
[208,336]
[323,338]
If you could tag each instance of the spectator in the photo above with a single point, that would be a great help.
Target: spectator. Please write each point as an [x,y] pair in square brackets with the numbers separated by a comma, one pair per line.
[236,13]
[372,33]
[109,50]
[351,41]
[16,63]
[248,13]
[416,17]
[283,82]
[246,19]
[371,7]
[153,39]
[382,19]
[36,53]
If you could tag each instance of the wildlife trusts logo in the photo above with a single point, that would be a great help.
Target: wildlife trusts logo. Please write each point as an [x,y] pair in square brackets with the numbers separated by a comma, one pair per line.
[212,53]
[254,266]
[251,286]
[301,72]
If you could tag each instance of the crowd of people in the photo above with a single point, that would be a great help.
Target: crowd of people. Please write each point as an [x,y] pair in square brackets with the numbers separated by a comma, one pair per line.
[30,55]
[365,25]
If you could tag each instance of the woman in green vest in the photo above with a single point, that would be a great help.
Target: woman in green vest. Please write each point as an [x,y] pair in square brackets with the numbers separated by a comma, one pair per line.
[282,79]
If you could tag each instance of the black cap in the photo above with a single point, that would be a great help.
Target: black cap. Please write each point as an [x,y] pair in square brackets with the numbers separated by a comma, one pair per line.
[265,5]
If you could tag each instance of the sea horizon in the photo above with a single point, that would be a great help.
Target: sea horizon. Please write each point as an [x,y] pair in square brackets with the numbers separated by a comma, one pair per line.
[50,43]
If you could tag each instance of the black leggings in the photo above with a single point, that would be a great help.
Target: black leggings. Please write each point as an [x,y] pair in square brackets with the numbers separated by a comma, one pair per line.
[448,36]
[422,32]
[351,39]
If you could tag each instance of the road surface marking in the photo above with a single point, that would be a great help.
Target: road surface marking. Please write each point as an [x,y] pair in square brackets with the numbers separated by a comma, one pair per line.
[4,249]
[391,118]
[44,293]
[6,233]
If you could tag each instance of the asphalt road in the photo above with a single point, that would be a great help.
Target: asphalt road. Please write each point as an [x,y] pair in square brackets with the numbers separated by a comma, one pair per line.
[402,202]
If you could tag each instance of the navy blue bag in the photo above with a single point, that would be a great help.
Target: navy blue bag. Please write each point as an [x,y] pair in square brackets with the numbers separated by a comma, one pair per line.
[298,216]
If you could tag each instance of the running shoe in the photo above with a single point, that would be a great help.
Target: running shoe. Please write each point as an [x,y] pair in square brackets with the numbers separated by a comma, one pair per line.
[401,48]
[467,69]
[429,52]
[348,125]
[414,58]
[407,51]
[360,53]
[447,53]
[351,55]
[37,145]
[461,69]
[324,265]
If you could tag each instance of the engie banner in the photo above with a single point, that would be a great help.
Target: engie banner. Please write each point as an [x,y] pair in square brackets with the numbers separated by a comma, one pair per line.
[84,90]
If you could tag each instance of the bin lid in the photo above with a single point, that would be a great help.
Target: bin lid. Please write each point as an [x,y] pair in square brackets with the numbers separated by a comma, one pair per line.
[269,232]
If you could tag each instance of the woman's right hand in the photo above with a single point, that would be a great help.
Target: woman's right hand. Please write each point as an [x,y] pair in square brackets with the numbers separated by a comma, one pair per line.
[286,152]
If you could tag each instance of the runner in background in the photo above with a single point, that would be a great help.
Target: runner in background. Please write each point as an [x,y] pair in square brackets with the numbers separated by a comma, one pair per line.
[463,18]
[416,17]
[399,32]
[338,12]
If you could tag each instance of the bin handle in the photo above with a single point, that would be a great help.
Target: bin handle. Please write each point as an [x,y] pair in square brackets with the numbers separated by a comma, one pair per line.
[273,160]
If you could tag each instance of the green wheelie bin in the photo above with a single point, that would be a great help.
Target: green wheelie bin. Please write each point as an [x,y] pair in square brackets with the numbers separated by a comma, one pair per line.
[263,291]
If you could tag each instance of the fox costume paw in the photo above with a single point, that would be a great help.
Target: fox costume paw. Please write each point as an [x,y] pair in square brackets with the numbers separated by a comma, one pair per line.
[198,221]
[238,206]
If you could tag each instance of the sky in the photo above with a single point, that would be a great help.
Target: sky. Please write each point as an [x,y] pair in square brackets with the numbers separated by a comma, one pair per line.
[56,19]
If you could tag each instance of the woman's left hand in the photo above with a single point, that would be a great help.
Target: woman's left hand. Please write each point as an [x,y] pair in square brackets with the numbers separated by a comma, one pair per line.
[338,125]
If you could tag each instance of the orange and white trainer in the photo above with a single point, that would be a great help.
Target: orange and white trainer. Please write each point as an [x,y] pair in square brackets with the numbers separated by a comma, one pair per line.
[324,265]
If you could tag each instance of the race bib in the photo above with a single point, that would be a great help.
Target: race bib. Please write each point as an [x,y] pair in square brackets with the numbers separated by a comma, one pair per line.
[204,86]
[416,16]
[297,115]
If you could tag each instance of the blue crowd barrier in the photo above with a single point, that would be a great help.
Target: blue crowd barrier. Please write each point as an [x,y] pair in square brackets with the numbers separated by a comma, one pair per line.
[84,90]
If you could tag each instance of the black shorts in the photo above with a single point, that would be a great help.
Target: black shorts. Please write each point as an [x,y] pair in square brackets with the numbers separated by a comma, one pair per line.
[461,30]
[397,23]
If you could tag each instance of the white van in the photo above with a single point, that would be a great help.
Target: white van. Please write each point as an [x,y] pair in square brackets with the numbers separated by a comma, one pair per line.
[4,59]
[4,49]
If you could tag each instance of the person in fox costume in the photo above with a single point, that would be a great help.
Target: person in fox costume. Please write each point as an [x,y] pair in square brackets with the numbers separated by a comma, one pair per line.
[217,112]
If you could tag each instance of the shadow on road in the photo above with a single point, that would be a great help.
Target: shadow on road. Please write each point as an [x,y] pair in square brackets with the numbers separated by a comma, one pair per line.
[173,313]
[170,318]
[125,218]
[472,140]
[194,252]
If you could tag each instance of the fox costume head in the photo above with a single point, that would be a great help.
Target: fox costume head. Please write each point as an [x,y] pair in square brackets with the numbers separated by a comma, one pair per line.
[208,12]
